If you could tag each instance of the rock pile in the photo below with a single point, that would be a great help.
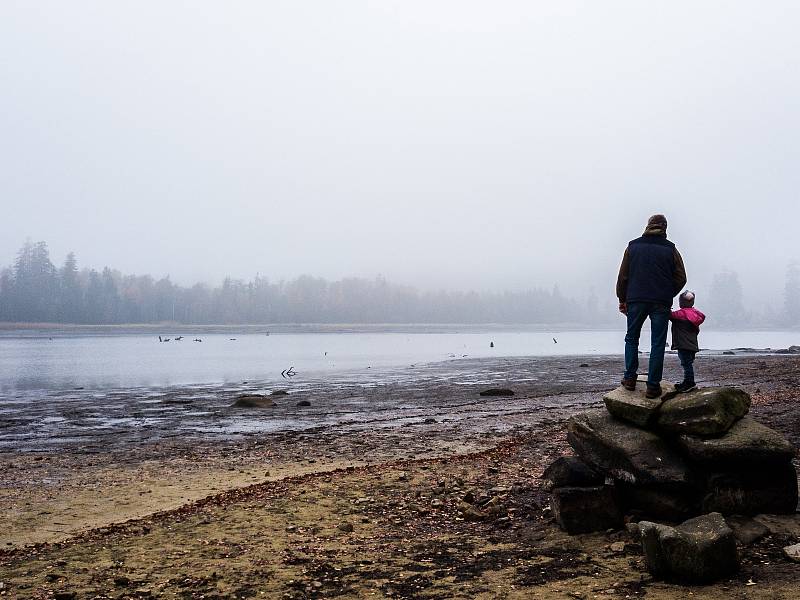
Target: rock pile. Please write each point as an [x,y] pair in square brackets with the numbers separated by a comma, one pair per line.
[672,458]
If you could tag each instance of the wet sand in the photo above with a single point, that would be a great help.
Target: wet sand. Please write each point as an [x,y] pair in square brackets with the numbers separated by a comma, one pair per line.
[220,509]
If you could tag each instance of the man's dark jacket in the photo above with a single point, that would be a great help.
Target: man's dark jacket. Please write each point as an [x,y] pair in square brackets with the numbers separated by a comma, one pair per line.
[651,271]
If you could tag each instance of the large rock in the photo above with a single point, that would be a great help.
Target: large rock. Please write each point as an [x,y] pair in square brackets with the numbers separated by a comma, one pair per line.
[746,441]
[700,550]
[625,452]
[781,524]
[633,406]
[746,530]
[569,471]
[792,553]
[653,502]
[704,412]
[586,509]
[750,491]
[253,401]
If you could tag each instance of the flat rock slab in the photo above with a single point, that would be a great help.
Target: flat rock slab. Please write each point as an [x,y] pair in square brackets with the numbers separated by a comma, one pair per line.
[569,471]
[625,452]
[586,509]
[792,553]
[700,550]
[746,441]
[253,401]
[747,530]
[704,412]
[781,524]
[495,392]
[633,406]
[751,491]
[653,502]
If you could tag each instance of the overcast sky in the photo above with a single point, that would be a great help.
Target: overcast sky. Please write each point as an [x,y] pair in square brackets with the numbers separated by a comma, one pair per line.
[442,144]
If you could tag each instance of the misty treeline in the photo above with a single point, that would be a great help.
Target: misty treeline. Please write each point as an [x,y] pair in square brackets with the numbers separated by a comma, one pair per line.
[35,290]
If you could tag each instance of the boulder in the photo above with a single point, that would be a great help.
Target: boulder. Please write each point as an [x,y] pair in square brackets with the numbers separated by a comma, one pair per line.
[586,509]
[704,412]
[700,550]
[653,502]
[747,530]
[768,489]
[253,401]
[570,471]
[746,441]
[625,452]
[497,392]
[781,524]
[792,552]
[633,406]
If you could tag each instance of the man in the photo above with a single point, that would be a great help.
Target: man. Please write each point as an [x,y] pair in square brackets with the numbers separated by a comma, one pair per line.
[650,276]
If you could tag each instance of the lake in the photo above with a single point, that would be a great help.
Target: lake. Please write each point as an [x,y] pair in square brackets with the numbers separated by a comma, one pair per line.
[64,360]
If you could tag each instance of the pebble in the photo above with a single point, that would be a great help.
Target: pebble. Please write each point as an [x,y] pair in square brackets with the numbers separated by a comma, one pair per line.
[792,552]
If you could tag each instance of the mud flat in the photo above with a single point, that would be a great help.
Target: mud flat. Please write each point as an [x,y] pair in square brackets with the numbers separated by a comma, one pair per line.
[412,486]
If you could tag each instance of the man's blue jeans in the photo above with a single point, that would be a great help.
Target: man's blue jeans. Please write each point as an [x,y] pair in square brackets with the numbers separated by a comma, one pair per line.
[659,314]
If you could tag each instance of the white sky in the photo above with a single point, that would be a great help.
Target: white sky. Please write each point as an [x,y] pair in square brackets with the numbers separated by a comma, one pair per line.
[442,144]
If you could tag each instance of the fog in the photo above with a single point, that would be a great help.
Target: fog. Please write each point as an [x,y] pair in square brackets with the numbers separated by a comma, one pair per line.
[456,145]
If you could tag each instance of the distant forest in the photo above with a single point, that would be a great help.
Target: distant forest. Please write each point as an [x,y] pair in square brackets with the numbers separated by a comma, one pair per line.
[34,290]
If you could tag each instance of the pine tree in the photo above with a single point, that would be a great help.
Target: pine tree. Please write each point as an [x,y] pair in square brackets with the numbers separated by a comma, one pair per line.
[70,306]
[791,296]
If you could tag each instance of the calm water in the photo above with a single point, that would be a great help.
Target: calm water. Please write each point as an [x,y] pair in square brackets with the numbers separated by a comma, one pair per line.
[113,361]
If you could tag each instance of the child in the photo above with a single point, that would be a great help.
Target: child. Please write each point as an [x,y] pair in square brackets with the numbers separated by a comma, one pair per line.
[685,327]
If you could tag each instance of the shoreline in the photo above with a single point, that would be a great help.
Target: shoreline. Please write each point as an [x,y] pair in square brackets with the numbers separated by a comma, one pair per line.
[411,436]
[7,329]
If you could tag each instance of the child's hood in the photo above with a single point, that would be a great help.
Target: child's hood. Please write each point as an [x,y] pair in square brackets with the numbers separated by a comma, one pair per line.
[691,314]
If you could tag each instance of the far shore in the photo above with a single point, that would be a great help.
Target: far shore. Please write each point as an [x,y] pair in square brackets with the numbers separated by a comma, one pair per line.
[13,328]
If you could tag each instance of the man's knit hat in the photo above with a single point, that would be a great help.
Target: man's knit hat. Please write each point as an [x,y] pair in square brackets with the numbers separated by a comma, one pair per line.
[656,225]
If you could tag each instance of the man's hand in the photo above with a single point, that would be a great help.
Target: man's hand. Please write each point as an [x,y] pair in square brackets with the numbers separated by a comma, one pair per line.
[623,308]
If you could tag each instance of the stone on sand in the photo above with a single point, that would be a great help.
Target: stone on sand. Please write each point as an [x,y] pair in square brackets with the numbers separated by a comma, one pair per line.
[571,471]
[586,509]
[253,401]
[769,489]
[746,529]
[781,524]
[658,502]
[497,392]
[792,552]
[700,550]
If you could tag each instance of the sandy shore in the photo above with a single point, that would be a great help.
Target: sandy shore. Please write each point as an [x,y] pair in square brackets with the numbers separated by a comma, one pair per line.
[365,503]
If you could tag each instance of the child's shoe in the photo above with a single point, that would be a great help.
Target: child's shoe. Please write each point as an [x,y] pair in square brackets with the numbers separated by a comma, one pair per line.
[685,386]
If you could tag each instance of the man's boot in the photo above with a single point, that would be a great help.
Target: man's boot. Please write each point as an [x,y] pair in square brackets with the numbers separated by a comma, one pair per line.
[653,391]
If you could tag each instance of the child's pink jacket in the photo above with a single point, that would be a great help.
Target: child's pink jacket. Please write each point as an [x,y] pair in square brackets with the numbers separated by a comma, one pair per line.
[694,316]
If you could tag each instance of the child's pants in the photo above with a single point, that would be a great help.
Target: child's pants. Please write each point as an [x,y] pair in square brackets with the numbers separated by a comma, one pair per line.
[687,362]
